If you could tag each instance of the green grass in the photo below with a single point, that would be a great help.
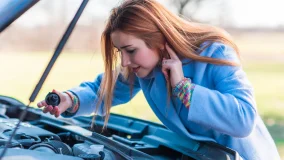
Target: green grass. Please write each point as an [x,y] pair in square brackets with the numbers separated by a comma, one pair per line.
[20,73]
[267,79]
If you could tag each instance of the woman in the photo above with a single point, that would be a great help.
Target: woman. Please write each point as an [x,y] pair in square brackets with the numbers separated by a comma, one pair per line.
[189,73]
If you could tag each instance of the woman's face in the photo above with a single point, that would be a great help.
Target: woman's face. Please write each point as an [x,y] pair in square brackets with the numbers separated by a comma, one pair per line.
[134,53]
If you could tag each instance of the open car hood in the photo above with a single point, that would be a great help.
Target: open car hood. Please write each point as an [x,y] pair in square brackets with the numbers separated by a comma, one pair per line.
[41,136]
[10,10]
[125,138]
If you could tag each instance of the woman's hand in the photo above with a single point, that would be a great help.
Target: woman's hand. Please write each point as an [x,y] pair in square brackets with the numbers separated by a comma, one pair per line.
[65,103]
[172,68]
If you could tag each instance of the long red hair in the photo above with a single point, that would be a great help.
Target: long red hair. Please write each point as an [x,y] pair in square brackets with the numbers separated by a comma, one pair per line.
[155,25]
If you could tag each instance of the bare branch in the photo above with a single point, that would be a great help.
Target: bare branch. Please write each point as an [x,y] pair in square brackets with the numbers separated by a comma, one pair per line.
[182,4]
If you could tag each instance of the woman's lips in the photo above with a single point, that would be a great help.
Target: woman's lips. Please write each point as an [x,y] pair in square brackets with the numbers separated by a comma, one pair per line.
[136,69]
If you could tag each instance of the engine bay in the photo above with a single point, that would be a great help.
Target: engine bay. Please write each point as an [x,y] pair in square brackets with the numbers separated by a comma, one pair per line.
[42,136]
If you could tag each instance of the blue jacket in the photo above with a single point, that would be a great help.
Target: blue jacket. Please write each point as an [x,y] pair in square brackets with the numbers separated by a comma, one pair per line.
[222,110]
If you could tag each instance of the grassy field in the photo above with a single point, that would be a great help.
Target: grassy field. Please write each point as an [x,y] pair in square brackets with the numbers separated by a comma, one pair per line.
[20,73]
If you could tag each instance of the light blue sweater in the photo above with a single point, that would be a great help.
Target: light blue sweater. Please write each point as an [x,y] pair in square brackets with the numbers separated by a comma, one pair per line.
[222,109]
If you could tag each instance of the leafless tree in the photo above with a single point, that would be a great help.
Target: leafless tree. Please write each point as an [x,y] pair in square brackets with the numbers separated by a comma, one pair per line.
[182,4]
[190,9]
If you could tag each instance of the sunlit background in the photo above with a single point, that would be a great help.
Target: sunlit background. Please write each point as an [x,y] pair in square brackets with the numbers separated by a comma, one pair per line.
[26,47]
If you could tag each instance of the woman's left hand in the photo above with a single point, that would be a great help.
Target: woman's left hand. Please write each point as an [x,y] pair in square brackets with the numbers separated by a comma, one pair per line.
[172,68]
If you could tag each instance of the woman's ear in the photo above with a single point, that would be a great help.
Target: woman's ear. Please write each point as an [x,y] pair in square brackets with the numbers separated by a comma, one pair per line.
[162,47]
[164,54]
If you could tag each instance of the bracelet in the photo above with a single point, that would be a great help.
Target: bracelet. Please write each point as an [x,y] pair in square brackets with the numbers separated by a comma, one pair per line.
[182,84]
[183,90]
[74,100]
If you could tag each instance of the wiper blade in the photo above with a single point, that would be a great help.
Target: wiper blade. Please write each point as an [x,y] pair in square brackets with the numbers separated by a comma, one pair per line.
[58,50]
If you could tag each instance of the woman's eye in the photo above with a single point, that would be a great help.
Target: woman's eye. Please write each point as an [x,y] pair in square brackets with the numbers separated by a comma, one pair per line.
[131,51]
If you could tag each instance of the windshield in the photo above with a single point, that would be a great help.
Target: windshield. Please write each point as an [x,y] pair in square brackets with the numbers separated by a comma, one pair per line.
[12,9]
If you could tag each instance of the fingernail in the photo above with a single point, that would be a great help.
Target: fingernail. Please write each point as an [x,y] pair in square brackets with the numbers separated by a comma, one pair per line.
[53,90]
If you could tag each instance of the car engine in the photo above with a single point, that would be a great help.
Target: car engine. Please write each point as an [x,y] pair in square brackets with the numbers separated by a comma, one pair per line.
[43,137]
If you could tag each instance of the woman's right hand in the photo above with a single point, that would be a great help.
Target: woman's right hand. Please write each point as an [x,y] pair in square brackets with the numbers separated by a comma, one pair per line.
[65,103]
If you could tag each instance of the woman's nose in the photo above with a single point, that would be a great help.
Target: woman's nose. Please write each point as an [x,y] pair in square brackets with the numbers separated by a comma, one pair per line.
[125,60]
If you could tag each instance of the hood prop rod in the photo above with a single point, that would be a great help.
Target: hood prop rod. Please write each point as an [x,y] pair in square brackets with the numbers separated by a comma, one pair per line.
[58,50]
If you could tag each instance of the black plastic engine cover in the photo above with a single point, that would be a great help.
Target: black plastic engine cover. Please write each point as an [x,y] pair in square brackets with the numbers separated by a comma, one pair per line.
[26,135]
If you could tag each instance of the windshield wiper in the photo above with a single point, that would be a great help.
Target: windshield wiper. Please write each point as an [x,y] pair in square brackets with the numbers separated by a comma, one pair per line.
[58,50]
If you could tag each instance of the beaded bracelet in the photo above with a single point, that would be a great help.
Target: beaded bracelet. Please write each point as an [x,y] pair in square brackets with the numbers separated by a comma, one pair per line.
[74,100]
[177,88]
[183,90]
